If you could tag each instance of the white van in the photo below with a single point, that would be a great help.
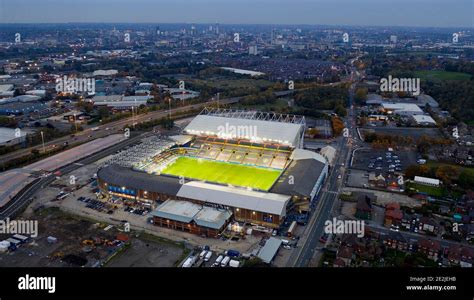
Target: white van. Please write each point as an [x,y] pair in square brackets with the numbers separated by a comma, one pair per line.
[225,261]
[203,254]
[218,260]
[208,256]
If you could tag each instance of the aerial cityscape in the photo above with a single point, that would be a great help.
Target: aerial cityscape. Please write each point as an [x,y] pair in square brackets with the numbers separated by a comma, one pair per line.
[129,140]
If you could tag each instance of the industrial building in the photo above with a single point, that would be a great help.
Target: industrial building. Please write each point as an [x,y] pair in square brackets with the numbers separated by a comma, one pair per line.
[402,109]
[423,120]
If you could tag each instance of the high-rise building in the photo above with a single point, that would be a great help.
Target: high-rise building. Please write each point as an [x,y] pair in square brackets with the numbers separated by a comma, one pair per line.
[393,39]
[253,50]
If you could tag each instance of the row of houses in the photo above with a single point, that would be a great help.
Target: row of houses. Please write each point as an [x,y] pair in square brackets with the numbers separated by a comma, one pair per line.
[361,251]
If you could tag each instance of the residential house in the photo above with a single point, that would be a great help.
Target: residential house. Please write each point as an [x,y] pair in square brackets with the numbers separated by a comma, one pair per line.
[430,247]
[395,240]
[393,214]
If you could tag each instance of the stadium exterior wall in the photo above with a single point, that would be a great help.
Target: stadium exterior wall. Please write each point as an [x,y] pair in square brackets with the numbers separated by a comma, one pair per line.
[240,214]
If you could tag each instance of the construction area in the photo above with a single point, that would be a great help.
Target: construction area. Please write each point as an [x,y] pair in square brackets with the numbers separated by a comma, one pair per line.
[65,240]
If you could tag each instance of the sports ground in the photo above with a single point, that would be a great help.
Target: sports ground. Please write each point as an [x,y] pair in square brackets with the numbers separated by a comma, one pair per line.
[223,172]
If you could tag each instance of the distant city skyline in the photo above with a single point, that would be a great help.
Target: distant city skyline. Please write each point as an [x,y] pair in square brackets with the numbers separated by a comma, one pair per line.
[422,13]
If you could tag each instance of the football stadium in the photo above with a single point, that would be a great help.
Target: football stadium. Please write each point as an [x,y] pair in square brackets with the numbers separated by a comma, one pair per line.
[225,166]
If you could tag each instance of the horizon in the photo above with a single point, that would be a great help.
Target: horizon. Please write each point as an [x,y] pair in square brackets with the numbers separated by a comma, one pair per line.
[365,13]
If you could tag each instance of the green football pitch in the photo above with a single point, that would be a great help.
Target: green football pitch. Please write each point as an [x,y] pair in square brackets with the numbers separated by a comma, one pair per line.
[222,172]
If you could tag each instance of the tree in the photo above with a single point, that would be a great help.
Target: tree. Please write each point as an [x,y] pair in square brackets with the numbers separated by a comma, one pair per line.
[361,95]
[416,170]
[446,174]
[340,110]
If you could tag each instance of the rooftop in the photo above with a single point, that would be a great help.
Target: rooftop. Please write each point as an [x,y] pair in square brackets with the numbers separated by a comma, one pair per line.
[235,197]
[268,252]
[249,125]
[185,212]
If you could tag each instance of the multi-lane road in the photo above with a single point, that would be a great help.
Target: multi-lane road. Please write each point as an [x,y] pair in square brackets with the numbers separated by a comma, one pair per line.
[25,195]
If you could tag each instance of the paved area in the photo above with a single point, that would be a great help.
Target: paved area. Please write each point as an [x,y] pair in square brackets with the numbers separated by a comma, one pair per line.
[386,197]
[64,158]
[11,182]
[147,254]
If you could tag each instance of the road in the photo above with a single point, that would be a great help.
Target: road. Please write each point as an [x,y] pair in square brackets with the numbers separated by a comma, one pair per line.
[329,195]
[112,127]
[24,197]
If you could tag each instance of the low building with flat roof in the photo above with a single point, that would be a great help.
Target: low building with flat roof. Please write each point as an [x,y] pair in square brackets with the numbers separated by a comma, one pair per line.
[191,217]
[427,181]
[11,137]
[268,252]
[423,120]
[403,109]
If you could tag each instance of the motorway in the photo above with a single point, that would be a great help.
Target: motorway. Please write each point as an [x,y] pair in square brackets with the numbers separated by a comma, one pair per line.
[112,127]
[25,196]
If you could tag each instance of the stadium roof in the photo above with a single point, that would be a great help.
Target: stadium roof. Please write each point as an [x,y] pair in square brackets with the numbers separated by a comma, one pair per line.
[185,212]
[248,126]
[127,177]
[299,154]
[235,197]
[268,252]
[305,173]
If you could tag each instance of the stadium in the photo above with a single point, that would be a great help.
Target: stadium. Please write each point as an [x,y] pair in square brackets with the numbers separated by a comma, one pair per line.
[226,166]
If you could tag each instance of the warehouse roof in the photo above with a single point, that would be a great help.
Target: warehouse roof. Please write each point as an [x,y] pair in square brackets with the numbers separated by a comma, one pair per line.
[423,119]
[235,197]
[402,107]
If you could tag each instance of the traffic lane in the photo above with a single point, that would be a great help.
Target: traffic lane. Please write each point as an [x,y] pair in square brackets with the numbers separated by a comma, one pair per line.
[317,231]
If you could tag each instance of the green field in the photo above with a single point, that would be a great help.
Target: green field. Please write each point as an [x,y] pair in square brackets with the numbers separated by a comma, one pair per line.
[430,190]
[221,172]
[442,75]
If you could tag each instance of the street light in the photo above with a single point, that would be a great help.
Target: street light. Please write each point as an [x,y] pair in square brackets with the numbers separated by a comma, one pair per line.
[169,108]
[75,121]
[42,138]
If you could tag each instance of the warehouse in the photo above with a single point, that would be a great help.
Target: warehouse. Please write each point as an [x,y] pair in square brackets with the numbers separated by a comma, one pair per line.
[402,109]
[423,120]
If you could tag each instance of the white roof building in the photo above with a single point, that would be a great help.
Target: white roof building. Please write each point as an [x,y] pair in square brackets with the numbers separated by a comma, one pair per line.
[402,108]
[427,181]
[423,120]
[104,72]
